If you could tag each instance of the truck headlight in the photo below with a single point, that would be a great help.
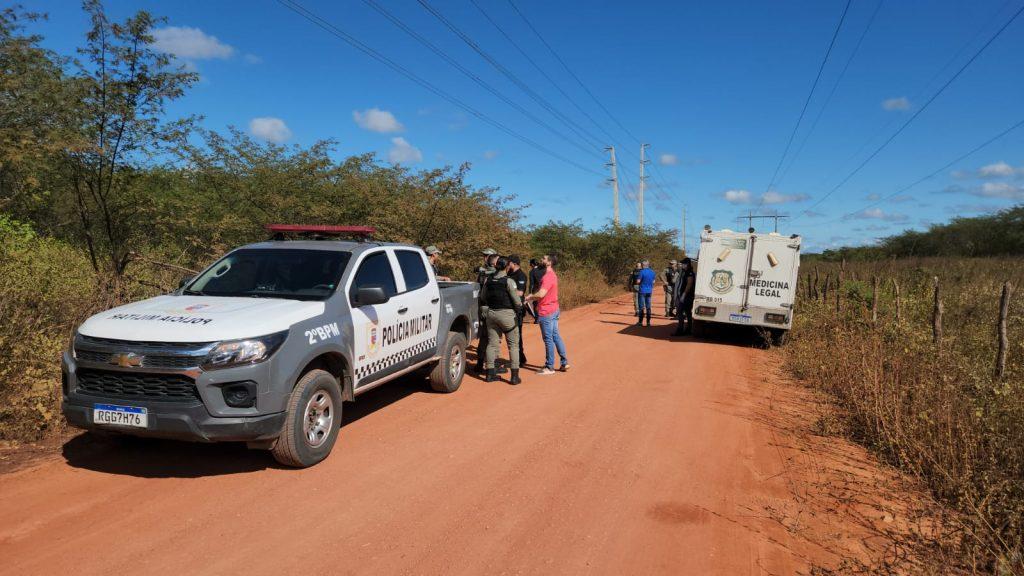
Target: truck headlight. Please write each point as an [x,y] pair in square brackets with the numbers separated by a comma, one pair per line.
[239,352]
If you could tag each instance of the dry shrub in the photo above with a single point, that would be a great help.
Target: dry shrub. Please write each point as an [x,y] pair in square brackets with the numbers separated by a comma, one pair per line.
[937,412]
[581,286]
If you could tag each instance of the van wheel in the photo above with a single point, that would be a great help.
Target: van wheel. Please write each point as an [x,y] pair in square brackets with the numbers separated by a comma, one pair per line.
[312,421]
[779,336]
[447,375]
[697,328]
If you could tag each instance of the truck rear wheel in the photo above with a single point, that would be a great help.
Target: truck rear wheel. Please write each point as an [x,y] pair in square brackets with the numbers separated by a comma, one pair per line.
[447,375]
[312,422]
[779,336]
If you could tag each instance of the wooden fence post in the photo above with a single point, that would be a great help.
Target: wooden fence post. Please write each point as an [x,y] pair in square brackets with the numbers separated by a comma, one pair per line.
[1004,343]
[839,290]
[896,293]
[874,300]
[816,281]
[824,289]
[937,314]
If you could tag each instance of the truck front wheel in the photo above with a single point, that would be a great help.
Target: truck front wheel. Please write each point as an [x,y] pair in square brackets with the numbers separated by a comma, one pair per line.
[447,375]
[312,421]
[698,328]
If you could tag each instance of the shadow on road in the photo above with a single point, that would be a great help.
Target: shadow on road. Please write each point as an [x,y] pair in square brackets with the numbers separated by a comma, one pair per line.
[156,458]
[730,335]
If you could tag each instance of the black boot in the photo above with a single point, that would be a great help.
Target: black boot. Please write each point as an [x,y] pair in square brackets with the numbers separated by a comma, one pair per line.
[648,318]
[515,377]
[491,375]
[640,318]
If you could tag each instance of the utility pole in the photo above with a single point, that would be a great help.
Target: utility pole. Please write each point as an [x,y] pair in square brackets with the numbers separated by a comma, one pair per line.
[682,232]
[643,182]
[750,217]
[615,185]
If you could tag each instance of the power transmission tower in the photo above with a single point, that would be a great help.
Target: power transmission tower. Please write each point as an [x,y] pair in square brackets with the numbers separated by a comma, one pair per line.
[643,182]
[615,185]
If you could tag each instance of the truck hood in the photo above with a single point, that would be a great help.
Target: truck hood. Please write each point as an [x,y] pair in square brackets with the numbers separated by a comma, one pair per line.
[198,318]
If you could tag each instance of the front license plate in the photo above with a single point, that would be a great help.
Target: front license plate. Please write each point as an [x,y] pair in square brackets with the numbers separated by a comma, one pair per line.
[119,415]
[740,318]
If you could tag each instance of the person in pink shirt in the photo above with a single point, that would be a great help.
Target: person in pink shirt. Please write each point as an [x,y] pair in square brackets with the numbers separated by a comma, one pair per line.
[547,313]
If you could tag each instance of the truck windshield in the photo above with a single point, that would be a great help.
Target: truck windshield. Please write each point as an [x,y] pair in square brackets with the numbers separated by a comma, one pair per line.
[273,273]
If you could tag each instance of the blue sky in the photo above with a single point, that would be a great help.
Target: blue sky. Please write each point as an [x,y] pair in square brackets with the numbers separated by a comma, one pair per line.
[714,87]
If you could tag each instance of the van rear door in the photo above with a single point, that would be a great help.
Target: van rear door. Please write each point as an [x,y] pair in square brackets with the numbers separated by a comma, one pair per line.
[721,269]
[772,272]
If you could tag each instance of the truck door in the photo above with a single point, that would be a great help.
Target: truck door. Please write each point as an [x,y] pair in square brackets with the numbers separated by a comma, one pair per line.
[772,273]
[373,354]
[419,311]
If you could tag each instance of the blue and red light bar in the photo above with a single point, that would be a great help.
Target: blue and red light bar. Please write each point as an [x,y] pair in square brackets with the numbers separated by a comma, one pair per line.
[323,230]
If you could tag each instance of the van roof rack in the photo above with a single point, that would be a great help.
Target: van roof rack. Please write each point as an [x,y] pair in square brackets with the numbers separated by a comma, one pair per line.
[320,232]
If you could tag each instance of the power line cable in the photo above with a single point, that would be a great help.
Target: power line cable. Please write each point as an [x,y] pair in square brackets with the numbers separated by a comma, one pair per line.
[915,115]
[580,131]
[468,73]
[355,43]
[570,72]
[807,101]
[932,174]
[828,99]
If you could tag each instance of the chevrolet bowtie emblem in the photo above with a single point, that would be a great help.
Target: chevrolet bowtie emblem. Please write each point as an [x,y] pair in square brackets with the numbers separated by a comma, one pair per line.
[126,360]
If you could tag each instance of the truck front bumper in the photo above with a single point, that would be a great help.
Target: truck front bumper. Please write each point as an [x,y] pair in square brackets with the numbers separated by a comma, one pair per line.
[178,420]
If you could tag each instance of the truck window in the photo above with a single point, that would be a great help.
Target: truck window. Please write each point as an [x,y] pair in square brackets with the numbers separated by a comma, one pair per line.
[375,270]
[273,273]
[413,270]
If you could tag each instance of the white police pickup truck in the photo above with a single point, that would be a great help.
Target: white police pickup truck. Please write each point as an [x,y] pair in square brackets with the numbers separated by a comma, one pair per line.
[265,344]
[746,278]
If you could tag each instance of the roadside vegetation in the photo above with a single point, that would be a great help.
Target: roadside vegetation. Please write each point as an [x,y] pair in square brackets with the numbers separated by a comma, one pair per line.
[927,396]
[105,199]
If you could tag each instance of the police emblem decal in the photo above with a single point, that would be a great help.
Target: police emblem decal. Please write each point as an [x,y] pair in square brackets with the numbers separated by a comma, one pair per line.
[372,344]
[721,281]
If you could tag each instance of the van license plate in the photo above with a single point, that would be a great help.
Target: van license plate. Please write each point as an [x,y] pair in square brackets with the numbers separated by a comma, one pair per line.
[119,415]
[740,318]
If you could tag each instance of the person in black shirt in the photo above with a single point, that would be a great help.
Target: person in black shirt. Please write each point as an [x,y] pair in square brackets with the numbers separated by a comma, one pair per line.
[634,287]
[515,272]
[684,292]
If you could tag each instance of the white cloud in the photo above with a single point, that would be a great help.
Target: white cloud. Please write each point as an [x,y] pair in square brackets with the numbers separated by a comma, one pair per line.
[737,196]
[403,152]
[777,198]
[252,59]
[270,129]
[999,190]
[997,170]
[894,104]
[668,160]
[190,43]
[812,214]
[377,120]
[490,154]
[876,214]
[873,197]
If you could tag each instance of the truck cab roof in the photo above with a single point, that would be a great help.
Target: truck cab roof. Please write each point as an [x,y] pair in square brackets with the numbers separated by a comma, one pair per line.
[355,247]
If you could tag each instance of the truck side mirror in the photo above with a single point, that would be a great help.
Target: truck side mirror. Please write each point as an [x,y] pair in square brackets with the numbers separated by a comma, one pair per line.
[184,281]
[370,295]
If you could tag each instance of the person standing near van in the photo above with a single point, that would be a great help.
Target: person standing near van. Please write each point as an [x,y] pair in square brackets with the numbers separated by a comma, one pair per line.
[515,272]
[684,297]
[668,285]
[645,287]
[483,274]
[537,271]
[547,310]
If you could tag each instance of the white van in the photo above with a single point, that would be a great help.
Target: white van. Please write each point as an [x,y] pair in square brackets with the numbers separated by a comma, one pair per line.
[746,278]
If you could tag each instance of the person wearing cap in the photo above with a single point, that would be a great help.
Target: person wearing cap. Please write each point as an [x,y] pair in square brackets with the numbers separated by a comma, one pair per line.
[668,285]
[515,272]
[501,297]
[645,287]
[434,255]
[483,274]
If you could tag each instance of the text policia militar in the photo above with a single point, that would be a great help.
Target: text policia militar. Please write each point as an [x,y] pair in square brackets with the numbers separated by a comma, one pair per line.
[411,327]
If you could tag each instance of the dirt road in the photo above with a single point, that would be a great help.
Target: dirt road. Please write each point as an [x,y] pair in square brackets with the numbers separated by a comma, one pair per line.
[652,456]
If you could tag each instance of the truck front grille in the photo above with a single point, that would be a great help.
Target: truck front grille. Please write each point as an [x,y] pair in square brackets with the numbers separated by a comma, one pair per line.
[147,360]
[129,385]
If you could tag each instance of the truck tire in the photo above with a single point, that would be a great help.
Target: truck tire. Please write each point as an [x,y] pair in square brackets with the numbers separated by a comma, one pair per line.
[312,421]
[697,328]
[779,336]
[447,374]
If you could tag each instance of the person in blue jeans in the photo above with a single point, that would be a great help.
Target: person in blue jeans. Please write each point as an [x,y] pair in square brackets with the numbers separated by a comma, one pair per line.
[546,297]
[645,285]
